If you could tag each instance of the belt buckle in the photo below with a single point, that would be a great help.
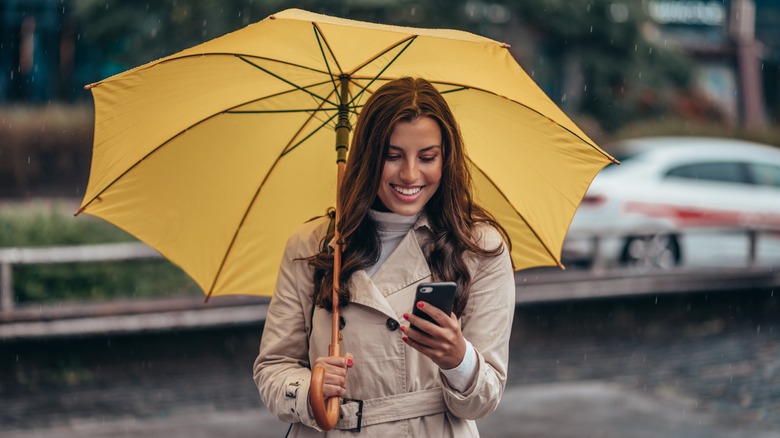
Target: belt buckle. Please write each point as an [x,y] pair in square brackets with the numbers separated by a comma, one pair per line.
[359,412]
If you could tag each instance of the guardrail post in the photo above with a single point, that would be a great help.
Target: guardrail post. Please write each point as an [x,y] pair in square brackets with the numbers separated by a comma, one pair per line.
[752,246]
[6,291]
[597,263]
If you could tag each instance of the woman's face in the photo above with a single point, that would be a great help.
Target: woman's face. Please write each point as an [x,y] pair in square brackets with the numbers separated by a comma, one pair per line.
[413,166]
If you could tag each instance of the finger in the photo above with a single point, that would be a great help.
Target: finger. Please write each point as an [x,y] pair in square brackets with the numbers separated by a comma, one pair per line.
[333,391]
[428,328]
[419,337]
[434,312]
[349,360]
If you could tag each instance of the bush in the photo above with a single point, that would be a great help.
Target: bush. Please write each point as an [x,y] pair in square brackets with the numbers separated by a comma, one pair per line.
[51,224]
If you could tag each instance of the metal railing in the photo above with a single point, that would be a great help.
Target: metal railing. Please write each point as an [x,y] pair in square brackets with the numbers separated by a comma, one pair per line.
[9,257]
[753,235]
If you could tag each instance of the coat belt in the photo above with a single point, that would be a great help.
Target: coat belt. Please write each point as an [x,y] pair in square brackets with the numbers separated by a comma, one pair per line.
[359,413]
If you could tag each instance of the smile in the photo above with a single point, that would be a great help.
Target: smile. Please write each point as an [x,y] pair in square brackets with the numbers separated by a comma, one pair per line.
[406,192]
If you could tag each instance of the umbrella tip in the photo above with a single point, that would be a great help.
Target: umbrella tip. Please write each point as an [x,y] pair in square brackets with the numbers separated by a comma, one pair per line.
[560,265]
[272,17]
[505,45]
[615,161]
[90,86]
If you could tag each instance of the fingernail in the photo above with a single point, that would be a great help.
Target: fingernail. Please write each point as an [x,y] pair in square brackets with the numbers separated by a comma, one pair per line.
[406,316]
[349,363]
[403,329]
[404,338]
[420,304]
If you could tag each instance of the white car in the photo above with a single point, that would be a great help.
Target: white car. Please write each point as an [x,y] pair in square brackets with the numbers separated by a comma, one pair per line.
[681,201]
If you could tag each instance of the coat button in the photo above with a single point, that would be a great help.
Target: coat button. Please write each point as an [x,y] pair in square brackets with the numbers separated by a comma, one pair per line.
[342,323]
[391,324]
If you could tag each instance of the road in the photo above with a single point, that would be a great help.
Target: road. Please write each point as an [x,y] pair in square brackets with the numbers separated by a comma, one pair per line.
[701,365]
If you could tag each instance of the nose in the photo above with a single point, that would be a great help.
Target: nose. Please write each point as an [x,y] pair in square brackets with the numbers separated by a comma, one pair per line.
[409,171]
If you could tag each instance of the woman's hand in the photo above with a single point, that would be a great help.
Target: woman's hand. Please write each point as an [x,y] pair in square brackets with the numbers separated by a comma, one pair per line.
[335,379]
[443,343]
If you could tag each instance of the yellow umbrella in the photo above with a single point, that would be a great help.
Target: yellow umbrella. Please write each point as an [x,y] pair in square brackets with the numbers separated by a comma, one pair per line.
[215,154]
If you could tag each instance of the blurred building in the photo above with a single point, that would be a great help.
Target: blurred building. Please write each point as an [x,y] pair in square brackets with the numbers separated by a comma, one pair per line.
[736,44]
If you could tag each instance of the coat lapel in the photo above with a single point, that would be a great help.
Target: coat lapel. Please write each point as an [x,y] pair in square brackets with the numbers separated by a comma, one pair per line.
[405,266]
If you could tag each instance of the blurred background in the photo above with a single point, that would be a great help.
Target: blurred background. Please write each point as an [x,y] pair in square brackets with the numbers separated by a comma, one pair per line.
[664,324]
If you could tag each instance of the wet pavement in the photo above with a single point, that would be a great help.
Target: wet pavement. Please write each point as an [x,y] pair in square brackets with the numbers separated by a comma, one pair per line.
[679,366]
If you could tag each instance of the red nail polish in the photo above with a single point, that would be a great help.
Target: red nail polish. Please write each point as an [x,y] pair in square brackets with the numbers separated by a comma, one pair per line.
[349,363]
[403,329]
[406,316]
[420,304]
[405,339]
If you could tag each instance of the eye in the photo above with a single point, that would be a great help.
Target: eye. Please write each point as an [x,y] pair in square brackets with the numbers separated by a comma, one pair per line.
[392,157]
[428,158]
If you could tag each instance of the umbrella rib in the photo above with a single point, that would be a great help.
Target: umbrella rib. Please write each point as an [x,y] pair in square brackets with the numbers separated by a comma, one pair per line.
[286,150]
[200,55]
[226,111]
[520,215]
[408,42]
[466,88]
[320,39]
[286,81]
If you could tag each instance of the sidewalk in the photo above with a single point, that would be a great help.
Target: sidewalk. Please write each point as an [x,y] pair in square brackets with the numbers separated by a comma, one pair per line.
[559,410]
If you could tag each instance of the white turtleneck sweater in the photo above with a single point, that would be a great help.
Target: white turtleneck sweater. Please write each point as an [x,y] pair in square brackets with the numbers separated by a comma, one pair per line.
[392,229]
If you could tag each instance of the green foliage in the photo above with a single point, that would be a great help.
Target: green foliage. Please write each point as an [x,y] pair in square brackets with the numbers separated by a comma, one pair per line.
[31,225]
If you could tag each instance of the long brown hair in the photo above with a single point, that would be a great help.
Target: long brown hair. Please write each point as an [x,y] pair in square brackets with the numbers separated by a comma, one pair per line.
[451,211]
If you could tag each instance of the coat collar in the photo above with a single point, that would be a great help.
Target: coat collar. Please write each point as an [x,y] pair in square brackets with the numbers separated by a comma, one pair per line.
[405,266]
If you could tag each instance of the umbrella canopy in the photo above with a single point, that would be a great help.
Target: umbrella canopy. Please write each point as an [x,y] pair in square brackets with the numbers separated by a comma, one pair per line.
[215,154]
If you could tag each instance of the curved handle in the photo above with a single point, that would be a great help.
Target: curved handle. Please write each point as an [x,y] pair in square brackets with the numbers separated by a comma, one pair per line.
[326,417]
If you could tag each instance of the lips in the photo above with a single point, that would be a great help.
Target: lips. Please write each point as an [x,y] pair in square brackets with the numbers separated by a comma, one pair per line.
[410,191]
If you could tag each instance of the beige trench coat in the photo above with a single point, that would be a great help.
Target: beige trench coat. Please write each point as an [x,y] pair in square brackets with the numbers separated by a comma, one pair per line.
[403,392]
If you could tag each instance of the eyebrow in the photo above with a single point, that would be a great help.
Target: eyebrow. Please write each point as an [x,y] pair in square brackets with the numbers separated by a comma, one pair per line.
[426,149]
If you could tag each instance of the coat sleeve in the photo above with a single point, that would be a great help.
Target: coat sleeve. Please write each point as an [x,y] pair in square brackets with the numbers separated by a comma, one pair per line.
[281,370]
[486,323]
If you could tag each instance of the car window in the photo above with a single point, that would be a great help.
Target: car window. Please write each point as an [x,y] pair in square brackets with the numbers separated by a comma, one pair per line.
[765,174]
[714,171]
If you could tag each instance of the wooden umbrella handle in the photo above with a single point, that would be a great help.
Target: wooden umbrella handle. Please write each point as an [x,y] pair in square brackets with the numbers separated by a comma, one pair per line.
[326,412]
[326,417]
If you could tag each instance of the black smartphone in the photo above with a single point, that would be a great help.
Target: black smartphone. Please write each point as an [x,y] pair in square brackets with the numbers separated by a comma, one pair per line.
[441,295]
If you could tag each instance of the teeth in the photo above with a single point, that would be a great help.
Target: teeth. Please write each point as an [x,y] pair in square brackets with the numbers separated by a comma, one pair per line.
[407,192]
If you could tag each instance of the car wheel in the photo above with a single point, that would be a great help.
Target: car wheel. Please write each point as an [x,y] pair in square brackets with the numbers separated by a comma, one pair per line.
[656,251]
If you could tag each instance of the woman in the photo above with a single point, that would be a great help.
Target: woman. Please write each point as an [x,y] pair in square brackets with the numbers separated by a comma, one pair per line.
[407,216]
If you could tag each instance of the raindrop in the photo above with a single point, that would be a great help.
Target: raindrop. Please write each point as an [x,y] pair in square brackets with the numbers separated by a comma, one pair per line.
[591,29]
[758,329]
[28,160]
[587,8]
[17,358]
[650,51]
[640,75]
[636,47]
[563,99]
[585,88]
[656,299]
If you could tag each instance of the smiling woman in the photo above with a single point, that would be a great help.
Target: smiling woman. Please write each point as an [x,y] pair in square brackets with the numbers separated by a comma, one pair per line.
[407,217]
